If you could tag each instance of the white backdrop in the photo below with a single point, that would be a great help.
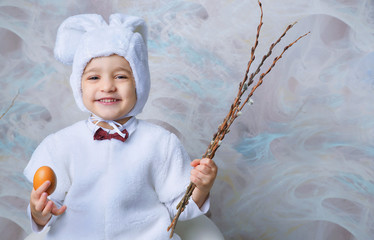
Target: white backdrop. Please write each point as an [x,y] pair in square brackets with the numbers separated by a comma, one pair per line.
[298,164]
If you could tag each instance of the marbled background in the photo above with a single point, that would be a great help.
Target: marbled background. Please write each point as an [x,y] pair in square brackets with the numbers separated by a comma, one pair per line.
[298,164]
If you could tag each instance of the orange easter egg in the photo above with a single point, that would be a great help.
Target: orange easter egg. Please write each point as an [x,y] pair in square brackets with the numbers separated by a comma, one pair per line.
[43,174]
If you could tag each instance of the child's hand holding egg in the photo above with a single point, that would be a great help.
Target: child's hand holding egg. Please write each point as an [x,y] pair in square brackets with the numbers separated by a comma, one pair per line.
[44,174]
[41,207]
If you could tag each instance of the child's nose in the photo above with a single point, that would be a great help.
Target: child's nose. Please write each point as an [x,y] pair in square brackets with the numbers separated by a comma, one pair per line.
[108,85]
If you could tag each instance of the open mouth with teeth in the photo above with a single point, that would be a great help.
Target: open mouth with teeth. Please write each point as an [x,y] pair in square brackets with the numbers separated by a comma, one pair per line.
[108,100]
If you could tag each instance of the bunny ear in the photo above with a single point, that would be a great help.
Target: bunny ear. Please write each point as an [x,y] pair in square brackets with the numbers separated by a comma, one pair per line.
[70,33]
[132,23]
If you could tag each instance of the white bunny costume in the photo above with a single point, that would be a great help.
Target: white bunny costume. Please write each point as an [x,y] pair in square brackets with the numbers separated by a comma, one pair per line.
[112,189]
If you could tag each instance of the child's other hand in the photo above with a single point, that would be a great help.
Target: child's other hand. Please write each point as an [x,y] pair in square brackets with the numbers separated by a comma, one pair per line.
[42,209]
[203,176]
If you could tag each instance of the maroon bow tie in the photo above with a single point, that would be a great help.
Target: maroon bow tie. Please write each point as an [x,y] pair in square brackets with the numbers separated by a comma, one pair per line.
[100,134]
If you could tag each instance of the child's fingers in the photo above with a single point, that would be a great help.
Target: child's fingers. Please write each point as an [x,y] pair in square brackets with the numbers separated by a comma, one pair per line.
[201,178]
[202,183]
[206,161]
[204,169]
[42,188]
[195,179]
[47,209]
[58,211]
[195,162]
[209,162]
[196,173]
[207,166]
[41,203]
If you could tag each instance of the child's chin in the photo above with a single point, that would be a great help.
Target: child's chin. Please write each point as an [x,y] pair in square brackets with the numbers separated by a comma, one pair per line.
[108,118]
[112,117]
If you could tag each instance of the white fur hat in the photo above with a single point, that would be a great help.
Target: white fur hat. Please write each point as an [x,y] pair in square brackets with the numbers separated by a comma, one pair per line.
[83,37]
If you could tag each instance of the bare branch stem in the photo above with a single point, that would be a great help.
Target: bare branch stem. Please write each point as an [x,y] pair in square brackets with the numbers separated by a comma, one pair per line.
[11,105]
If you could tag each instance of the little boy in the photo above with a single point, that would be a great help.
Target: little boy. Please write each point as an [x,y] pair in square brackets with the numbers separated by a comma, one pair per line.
[118,177]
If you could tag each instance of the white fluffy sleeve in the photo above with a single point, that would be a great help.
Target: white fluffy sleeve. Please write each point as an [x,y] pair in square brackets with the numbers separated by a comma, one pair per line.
[174,177]
[51,153]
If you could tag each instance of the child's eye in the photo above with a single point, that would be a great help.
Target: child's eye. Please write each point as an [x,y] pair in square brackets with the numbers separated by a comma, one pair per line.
[121,77]
[93,78]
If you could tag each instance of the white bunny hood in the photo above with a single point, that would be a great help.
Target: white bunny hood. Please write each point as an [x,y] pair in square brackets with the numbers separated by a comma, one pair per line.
[83,37]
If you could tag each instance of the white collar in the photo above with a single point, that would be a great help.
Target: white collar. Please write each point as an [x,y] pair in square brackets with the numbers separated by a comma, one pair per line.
[130,125]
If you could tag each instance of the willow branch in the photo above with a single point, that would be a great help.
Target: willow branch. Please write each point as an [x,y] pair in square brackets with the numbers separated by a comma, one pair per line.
[253,49]
[237,106]
[270,68]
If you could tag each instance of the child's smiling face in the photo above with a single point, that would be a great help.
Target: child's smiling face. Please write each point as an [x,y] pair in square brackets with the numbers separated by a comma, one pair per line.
[108,87]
